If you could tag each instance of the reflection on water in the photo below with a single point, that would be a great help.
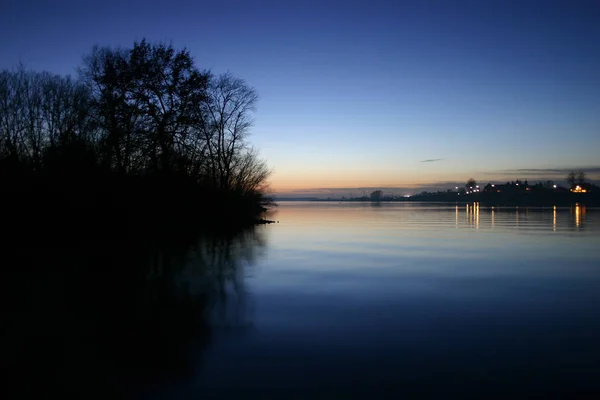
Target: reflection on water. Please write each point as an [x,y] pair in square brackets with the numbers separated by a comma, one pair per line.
[418,300]
[477,216]
[423,216]
[473,214]
[122,317]
[338,300]
[579,211]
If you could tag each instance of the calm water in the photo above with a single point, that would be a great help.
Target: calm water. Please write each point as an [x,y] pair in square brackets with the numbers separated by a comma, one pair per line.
[349,299]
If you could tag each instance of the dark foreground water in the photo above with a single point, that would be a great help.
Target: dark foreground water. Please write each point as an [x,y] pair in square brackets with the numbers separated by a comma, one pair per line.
[356,300]
[337,300]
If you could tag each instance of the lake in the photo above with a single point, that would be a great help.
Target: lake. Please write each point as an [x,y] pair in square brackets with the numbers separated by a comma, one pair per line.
[364,299]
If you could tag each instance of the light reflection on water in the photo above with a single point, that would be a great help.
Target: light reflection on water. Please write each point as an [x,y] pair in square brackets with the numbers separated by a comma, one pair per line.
[433,215]
[361,298]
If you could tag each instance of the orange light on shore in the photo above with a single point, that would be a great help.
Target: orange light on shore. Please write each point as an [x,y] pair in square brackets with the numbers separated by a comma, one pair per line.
[578,189]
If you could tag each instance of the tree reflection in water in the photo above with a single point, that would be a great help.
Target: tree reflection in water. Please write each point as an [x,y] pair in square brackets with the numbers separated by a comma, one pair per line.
[104,316]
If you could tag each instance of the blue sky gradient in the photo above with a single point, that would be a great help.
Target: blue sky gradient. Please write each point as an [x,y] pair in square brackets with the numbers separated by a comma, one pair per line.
[357,94]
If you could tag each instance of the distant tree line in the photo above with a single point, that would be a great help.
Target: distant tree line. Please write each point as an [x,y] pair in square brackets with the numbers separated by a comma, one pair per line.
[144,112]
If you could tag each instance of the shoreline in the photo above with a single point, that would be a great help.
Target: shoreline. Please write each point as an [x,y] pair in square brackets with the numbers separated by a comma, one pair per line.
[561,200]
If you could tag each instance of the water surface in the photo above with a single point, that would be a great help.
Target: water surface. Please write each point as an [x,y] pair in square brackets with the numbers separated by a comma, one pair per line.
[361,299]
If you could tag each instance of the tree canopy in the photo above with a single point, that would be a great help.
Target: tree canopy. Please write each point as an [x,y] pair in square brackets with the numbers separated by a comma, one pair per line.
[144,110]
[141,114]
[376,195]
[576,177]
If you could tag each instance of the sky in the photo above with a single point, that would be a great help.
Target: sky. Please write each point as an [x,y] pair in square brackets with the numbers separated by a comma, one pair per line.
[361,95]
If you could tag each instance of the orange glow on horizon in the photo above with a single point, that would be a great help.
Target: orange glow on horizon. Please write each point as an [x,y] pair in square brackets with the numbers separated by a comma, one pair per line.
[281,185]
[313,178]
[327,179]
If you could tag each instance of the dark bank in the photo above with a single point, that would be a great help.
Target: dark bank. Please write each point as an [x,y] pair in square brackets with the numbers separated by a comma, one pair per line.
[115,184]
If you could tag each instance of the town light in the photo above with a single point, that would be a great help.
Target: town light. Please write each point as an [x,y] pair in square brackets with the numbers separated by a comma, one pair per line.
[579,189]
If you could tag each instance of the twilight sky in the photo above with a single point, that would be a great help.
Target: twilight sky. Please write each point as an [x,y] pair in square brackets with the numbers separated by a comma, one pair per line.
[358,94]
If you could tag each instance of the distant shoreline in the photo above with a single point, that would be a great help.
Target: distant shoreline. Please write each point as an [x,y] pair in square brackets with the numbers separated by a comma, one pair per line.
[558,199]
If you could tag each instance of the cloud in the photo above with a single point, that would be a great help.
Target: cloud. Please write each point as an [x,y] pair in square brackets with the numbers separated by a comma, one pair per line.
[432,160]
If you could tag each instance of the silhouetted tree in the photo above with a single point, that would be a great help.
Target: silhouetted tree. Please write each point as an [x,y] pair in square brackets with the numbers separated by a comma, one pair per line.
[249,173]
[376,195]
[576,177]
[471,183]
[572,178]
[160,113]
[144,118]
[107,74]
[228,119]
[19,111]
[40,112]
[169,91]
[148,101]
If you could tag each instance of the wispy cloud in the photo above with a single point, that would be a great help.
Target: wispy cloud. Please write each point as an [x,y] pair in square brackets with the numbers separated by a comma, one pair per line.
[432,160]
